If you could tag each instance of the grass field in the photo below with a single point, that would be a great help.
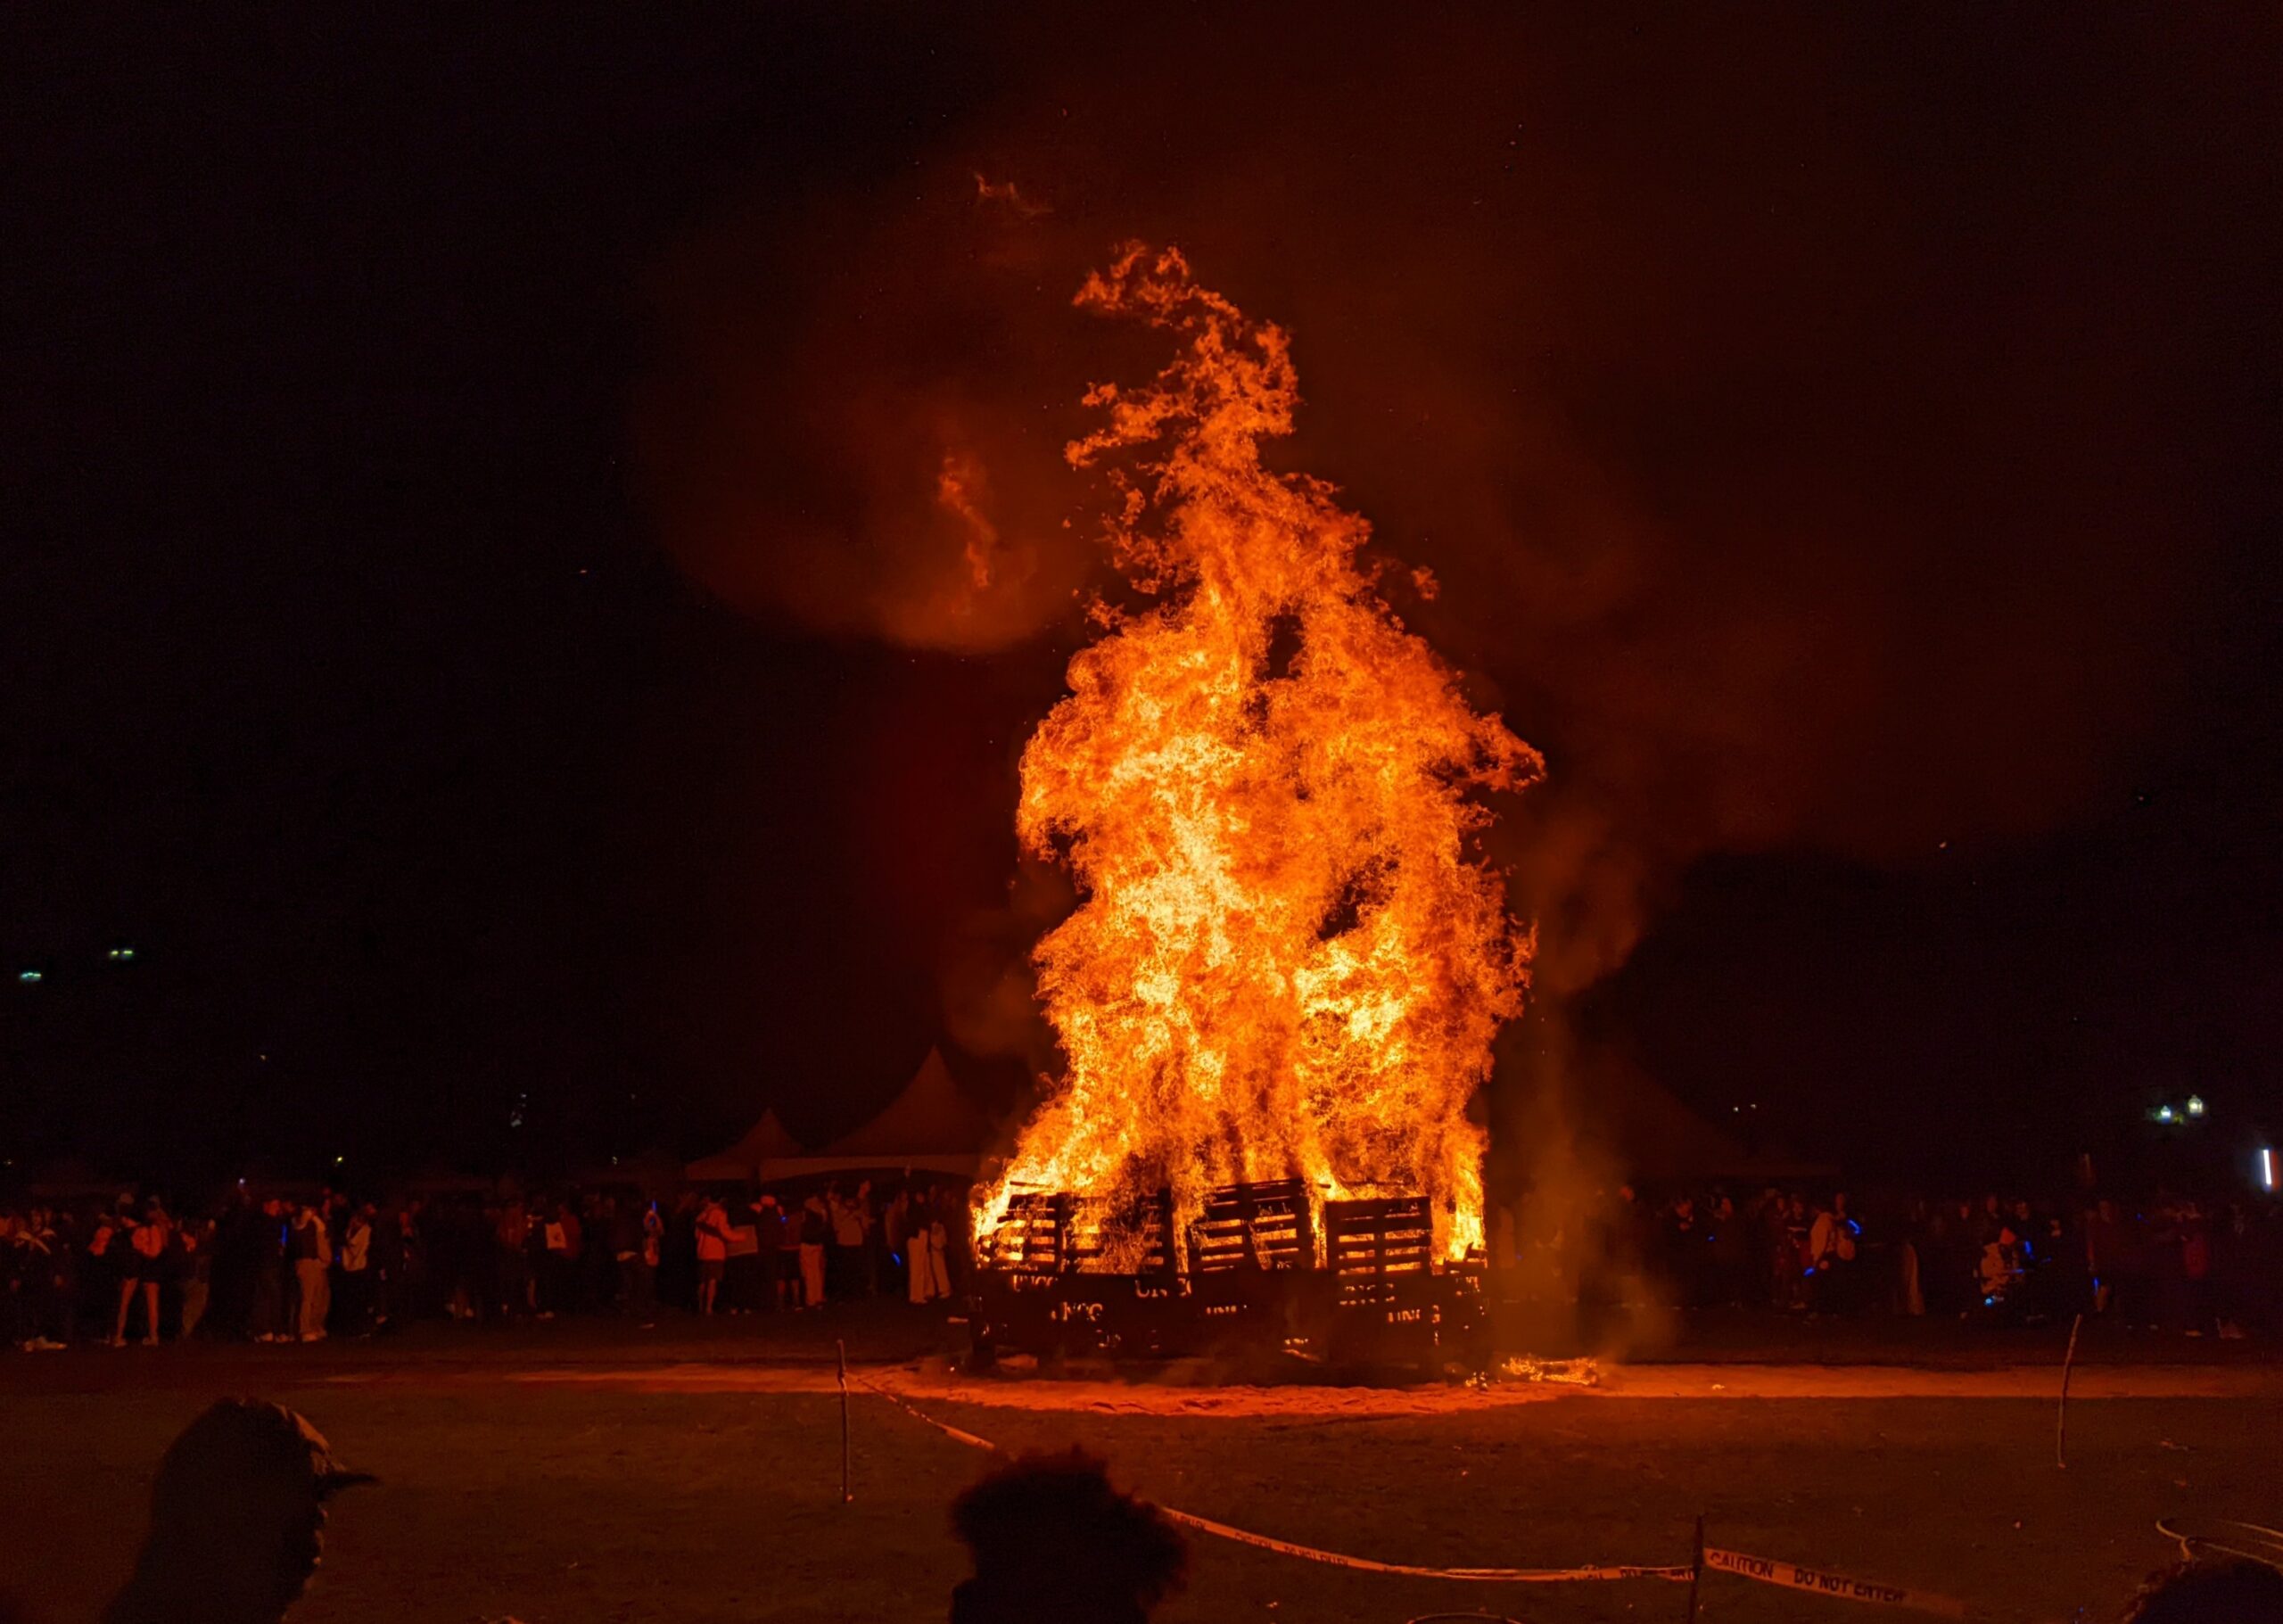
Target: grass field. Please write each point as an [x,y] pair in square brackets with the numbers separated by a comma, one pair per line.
[578,1477]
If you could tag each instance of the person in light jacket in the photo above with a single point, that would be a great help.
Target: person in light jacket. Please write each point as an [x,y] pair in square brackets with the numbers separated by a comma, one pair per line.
[310,1247]
[713,1252]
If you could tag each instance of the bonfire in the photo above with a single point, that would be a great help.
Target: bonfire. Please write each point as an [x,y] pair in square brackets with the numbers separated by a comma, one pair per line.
[1289,958]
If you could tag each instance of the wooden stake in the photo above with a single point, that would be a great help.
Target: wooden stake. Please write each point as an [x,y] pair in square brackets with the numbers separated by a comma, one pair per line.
[847,1493]
[1696,1569]
[2061,1419]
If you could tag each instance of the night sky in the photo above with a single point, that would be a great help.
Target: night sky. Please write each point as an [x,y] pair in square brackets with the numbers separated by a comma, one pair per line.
[473,619]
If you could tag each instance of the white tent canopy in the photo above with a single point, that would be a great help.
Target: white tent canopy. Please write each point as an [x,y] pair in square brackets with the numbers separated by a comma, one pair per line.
[928,1127]
[767,1141]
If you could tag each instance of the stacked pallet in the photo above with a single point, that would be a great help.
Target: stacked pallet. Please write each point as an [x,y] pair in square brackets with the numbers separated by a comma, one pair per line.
[1030,1238]
[1253,1226]
[1371,1245]
[1048,1232]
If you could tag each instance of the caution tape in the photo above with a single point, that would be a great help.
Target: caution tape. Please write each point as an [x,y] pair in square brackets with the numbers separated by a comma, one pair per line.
[946,1428]
[2254,1540]
[1792,1576]
[1480,1576]
[1766,1569]
[1306,1553]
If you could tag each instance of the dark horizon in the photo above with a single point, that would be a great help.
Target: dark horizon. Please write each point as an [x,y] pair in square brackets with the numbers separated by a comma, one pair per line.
[1846,445]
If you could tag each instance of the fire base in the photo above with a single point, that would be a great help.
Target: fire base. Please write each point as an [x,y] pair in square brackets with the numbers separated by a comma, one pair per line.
[1249,1278]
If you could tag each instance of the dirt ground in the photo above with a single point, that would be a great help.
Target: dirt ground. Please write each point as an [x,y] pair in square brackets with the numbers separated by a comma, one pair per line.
[570,1474]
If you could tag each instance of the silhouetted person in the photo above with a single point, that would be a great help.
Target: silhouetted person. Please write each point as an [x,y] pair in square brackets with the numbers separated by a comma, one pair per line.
[272,1309]
[237,1520]
[142,1270]
[1053,1543]
[2233,1590]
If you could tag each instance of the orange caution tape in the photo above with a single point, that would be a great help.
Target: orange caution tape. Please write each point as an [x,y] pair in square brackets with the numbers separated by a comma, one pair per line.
[1792,1576]
[1488,1576]
[1766,1569]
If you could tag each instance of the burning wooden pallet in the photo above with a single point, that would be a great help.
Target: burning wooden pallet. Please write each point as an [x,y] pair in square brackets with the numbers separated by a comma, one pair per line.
[1250,1271]
[1257,1226]
[1376,1239]
[1059,1232]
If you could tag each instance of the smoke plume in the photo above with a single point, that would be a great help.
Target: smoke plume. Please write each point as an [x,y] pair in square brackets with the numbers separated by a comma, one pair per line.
[1814,434]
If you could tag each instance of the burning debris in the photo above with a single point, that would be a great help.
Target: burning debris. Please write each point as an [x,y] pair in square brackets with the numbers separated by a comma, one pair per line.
[1552,1372]
[1290,961]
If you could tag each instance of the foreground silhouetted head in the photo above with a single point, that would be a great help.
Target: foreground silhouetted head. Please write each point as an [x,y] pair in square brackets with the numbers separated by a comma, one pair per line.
[237,1520]
[2232,1590]
[1053,1543]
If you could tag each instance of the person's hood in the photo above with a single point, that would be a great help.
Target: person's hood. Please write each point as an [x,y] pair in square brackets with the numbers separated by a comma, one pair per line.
[237,1518]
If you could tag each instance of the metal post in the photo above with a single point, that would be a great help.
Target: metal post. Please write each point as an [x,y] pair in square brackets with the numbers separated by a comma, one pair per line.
[1696,1569]
[848,1494]
[2061,1419]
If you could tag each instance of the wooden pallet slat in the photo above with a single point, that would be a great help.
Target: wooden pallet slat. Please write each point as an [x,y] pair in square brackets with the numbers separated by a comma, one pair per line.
[1373,1238]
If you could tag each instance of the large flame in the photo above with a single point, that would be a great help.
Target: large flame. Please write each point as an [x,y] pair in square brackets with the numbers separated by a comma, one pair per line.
[1288,960]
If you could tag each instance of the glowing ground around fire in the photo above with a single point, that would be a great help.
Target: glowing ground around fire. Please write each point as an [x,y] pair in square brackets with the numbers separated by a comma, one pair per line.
[581,1476]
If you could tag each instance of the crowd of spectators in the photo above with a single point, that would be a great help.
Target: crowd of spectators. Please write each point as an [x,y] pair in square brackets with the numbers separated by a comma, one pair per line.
[276,1268]
[280,1268]
[2173,1262]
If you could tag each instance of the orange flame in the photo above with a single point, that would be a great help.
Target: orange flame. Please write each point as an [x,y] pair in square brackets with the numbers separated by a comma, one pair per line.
[1288,960]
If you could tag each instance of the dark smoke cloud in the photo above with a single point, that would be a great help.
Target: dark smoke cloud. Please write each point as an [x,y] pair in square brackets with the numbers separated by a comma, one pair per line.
[1823,426]
[858,423]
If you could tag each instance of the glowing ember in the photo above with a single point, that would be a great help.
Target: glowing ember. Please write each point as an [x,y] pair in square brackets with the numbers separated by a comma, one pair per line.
[1553,1373]
[1288,960]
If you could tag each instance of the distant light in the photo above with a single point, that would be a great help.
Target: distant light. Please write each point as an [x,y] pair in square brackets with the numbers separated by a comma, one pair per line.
[2164,1113]
[2195,1105]
[2266,1167]
[29,976]
[120,955]
[337,1160]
